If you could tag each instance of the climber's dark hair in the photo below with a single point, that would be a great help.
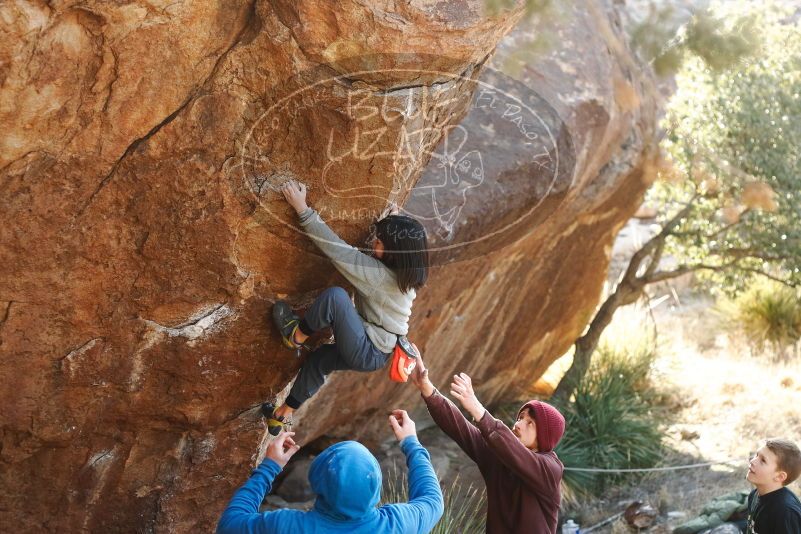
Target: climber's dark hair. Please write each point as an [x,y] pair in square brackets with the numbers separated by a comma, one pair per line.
[405,250]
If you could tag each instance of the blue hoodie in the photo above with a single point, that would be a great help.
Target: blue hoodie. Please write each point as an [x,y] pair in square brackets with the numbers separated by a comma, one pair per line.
[347,481]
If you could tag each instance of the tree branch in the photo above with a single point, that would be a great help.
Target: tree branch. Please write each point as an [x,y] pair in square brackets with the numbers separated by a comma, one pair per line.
[745,253]
[718,232]
[655,259]
[787,283]
[657,242]
[668,275]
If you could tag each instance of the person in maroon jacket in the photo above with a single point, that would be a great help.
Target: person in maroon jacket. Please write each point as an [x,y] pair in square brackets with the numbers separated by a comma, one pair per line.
[522,472]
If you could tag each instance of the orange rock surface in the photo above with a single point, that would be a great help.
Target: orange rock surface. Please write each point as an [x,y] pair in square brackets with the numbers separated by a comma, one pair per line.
[143,242]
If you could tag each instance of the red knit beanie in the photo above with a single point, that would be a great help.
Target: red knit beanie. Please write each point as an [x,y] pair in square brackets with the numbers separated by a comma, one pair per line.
[550,424]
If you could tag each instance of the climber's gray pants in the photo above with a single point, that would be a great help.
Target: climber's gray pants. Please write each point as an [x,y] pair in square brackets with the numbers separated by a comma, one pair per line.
[352,351]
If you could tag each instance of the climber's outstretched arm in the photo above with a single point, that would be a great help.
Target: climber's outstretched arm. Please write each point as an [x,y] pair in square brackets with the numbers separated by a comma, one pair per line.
[365,272]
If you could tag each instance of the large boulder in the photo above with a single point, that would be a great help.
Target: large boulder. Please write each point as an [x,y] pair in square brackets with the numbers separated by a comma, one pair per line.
[143,241]
[521,260]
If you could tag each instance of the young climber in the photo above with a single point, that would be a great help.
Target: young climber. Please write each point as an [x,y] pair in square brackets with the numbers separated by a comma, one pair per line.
[519,467]
[346,480]
[365,335]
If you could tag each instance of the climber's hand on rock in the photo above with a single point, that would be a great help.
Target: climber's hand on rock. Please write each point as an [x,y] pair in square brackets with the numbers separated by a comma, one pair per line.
[419,377]
[295,194]
[282,448]
[401,424]
[462,390]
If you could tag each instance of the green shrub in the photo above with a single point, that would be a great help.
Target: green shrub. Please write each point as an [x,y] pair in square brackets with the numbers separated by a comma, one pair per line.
[464,507]
[768,315]
[612,421]
[615,419]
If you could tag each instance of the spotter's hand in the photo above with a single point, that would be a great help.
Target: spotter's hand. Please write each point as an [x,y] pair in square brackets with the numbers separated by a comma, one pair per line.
[419,377]
[462,390]
[282,448]
[401,424]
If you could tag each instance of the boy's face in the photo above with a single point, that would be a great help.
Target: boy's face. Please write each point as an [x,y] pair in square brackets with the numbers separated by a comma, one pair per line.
[525,428]
[763,469]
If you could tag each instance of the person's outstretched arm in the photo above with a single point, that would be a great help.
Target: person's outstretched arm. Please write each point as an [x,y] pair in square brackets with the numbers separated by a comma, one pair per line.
[426,505]
[448,417]
[242,516]
[363,271]
[541,472]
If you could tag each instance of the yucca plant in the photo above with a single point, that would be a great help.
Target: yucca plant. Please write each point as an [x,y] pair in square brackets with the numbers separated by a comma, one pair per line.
[464,507]
[611,421]
[768,315]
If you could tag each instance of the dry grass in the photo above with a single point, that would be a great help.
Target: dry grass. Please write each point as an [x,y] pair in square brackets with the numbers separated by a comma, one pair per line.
[737,399]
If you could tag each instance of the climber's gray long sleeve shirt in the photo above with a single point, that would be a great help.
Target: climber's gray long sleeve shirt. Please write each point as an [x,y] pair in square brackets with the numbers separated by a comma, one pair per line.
[378,299]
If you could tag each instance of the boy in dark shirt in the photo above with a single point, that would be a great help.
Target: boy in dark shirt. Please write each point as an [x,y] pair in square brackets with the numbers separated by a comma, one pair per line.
[519,467]
[772,508]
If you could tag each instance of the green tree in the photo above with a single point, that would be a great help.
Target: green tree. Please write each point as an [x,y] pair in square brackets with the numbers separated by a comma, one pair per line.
[730,186]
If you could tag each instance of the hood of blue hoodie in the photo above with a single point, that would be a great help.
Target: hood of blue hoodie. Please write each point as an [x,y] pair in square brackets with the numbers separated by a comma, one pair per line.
[346,478]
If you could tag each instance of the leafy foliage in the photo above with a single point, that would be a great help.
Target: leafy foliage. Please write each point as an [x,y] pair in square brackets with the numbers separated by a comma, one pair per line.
[736,136]
[718,37]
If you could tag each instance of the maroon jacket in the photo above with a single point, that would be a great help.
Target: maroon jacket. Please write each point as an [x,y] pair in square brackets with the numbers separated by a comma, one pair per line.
[523,487]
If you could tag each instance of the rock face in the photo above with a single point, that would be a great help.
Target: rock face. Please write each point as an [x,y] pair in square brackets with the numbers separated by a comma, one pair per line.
[503,309]
[143,241]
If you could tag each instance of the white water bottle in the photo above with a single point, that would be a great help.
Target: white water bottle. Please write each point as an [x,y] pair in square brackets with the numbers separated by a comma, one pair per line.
[569,527]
